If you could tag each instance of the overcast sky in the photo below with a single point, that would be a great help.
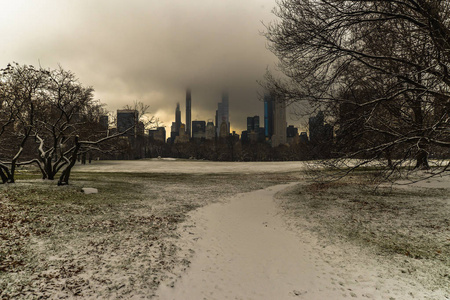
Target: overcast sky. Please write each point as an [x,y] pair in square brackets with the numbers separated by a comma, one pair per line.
[148,50]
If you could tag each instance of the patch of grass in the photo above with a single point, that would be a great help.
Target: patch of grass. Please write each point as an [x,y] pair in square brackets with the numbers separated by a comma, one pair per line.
[409,222]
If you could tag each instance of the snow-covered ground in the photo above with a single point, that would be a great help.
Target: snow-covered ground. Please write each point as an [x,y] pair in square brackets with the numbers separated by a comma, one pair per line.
[244,250]
[247,246]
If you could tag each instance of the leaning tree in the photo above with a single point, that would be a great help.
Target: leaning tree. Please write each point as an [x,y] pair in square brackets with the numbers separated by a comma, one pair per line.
[379,69]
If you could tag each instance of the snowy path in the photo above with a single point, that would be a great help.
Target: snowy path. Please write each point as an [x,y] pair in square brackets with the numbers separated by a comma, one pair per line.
[246,252]
[243,250]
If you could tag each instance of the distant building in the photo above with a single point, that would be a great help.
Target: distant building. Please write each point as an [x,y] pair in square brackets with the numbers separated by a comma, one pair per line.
[319,132]
[320,136]
[140,128]
[217,122]
[249,124]
[253,124]
[254,133]
[234,137]
[292,136]
[291,131]
[304,137]
[253,137]
[210,132]
[188,112]
[158,134]
[113,131]
[244,137]
[177,118]
[224,130]
[104,122]
[261,135]
[173,131]
[182,137]
[268,116]
[276,114]
[222,117]
[219,117]
[127,118]
[198,129]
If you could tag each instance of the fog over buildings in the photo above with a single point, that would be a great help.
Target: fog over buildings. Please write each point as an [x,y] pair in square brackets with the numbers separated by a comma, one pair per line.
[149,50]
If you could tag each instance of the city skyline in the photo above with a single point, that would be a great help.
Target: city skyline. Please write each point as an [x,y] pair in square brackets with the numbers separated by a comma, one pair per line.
[276,130]
[237,123]
[149,51]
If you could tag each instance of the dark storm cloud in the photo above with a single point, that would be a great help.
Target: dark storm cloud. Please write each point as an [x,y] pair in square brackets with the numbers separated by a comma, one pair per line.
[149,51]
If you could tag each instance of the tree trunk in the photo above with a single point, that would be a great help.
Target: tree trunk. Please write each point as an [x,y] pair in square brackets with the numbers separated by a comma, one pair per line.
[47,168]
[422,160]
[389,159]
[12,172]
[3,176]
[65,174]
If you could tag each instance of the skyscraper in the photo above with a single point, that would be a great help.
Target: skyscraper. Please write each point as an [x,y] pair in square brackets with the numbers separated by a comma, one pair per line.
[219,117]
[279,123]
[223,116]
[253,124]
[177,119]
[210,130]
[268,116]
[188,112]
[249,124]
[275,120]
[254,133]
[173,131]
[217,122]
[198,129]
[127,118]
[158,134]
[256,123]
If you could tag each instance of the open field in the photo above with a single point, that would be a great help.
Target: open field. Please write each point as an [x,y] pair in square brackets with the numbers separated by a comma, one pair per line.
[184,166]
[124,242]
[57,242]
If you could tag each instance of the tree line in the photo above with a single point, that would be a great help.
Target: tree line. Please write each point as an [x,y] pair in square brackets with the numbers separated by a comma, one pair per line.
[230,149]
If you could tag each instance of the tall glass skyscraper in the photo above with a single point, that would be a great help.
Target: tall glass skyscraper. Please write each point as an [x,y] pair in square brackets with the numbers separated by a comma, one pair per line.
[188,112]
[223,115]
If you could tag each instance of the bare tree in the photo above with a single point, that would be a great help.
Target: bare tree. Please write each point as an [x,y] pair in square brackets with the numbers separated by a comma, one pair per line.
[63,106]
[21,91]
[386,62]
[57,111]
[69,112]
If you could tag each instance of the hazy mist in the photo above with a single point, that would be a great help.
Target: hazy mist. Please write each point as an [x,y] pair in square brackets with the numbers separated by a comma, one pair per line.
[149,51]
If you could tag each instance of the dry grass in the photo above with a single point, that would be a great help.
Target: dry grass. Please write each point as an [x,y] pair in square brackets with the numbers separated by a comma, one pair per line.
[57,242]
